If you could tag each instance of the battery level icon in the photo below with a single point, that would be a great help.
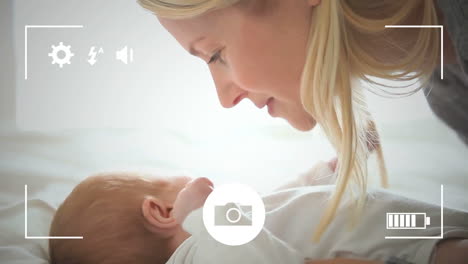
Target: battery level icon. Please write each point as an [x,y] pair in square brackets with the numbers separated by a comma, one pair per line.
[407,220]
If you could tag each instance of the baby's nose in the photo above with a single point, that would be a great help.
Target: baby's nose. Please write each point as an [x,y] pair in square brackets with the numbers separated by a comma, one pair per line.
[201,182]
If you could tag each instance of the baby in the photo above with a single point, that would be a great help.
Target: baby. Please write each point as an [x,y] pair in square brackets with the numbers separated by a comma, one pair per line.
[130,218]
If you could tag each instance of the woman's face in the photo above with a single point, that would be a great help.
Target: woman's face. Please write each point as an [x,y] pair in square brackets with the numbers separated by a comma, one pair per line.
[257,55]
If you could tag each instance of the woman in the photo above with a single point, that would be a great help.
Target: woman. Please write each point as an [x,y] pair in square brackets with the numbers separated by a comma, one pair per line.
[302,59]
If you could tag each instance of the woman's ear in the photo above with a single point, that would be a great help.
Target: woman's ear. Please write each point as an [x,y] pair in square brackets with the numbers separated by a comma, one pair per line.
[313,2]
[157,214]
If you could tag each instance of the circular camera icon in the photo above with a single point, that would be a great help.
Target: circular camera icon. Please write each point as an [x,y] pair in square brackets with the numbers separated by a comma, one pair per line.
[234,214]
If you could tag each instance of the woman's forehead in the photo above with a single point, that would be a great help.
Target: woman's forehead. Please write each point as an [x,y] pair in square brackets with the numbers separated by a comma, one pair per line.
[208,26]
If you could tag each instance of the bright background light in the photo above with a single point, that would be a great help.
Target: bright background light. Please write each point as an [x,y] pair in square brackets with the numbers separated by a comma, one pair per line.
[166,89]
[163,87]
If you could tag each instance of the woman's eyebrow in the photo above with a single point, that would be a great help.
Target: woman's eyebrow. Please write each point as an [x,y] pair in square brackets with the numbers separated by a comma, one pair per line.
[192,50]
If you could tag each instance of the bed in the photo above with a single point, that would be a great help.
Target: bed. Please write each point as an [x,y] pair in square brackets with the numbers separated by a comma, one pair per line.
[421,155]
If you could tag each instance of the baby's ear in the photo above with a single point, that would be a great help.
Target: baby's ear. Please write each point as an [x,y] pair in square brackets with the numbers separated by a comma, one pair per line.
[157,214]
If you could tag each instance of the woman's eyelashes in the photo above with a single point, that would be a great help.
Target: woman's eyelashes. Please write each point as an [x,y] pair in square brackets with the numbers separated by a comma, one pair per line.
[216,57]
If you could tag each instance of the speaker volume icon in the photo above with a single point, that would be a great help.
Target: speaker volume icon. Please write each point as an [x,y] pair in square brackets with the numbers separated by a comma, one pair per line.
[125,55]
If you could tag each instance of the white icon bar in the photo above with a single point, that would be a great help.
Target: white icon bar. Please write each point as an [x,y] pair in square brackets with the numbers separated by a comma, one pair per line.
[441,27]
[407,221]
[26,236]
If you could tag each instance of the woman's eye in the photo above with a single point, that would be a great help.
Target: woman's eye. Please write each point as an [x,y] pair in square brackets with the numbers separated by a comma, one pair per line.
[216,57]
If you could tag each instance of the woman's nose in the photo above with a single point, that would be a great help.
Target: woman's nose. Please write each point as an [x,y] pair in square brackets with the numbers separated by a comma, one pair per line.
[229,94]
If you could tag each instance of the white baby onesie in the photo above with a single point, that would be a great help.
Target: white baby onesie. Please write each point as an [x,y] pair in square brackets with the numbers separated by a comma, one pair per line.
[202,248]
[292,216]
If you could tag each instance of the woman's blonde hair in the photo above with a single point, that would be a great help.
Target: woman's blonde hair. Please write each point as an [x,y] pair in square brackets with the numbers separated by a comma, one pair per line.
[348,42]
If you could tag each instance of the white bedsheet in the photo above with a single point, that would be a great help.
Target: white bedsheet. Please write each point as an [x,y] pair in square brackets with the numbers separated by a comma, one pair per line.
[51,164]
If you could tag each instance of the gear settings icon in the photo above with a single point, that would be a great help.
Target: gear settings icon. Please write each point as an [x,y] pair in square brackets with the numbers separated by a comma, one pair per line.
[61,54]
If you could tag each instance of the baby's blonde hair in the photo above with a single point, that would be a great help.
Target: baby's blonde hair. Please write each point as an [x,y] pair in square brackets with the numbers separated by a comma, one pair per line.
[106,210]
[341,50]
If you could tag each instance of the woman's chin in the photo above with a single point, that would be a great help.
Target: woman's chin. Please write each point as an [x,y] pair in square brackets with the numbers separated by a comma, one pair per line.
[303,125]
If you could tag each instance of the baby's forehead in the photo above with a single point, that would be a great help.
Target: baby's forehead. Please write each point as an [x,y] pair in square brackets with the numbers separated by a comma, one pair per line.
[125,177]
[115,182]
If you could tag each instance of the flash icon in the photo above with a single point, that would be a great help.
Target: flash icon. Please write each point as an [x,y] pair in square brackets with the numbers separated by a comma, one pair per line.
[93,54]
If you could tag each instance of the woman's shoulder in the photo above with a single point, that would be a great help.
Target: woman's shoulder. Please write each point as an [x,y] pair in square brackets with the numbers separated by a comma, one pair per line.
[448,96]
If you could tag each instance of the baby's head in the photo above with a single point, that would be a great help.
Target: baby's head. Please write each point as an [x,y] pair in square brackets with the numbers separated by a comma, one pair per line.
[123,218]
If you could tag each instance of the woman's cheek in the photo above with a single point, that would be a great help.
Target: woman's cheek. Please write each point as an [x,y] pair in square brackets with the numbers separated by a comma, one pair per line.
[251,76]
